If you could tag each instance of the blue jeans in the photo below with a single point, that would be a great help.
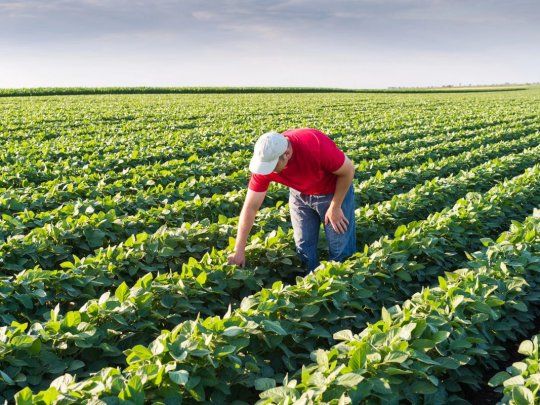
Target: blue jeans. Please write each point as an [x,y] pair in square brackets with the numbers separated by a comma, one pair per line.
[307,214]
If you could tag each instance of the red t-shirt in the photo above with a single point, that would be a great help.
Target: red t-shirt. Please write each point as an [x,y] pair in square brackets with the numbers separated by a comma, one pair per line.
[309,170]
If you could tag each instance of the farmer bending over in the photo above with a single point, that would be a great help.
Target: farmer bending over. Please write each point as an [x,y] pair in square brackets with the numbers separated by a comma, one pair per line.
[319,176]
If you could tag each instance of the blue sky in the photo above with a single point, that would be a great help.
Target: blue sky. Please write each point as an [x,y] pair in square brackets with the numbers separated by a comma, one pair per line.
[339,43]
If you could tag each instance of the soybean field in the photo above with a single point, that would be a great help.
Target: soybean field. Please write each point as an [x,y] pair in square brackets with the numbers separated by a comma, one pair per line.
[118,212]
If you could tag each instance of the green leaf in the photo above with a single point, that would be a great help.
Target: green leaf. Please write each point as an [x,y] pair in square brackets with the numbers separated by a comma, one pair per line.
[73,318]
[358,357]
[321,357]
[396,371]
[423,344]
[232,331]
[8,380]
[522,396]
[516,380]
[122,292]
[193,382]
[423,387]
[400,231]
[343,335]
[386,317]
[449,363]
[26,300]
[94,237]
[520,306]
[222,351]
[137,353]
[440,336]
[263,384]
[62,383]
[67,265]
[486,241]
[133,391]
[310,310]
[498,379]
[527,348]
[442,283]
[406,330]
[404,275]
[47,397]
[22,341]
[201,278]
[247,303]
[157,346]
[396,357]
[24,397]
[460,344]
[275,327]
[75,365]
[179,377]
[349,380]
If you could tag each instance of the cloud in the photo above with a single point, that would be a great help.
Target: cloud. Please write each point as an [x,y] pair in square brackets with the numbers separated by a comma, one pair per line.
[246,35]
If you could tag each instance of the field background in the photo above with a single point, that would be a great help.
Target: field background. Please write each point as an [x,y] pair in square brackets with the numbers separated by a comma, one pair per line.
[100,193]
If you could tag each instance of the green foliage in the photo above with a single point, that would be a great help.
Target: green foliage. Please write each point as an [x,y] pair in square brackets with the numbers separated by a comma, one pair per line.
[226,353]
[117,214]
[439,339]
[520,382]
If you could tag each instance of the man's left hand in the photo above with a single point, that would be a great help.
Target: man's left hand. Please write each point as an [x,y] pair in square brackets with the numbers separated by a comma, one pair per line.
[337,219]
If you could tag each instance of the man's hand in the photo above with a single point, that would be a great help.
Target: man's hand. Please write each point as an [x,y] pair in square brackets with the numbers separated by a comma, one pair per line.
[237,258]
[252,204]
[335,216]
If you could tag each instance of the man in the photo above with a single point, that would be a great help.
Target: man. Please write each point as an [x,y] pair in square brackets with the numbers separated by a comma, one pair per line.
[320,178]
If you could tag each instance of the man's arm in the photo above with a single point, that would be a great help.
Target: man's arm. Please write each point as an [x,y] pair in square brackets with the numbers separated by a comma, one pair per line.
[334,214]
[251,206]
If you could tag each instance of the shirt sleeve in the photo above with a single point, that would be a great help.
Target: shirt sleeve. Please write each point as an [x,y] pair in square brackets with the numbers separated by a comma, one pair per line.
[258,182]
[332,158]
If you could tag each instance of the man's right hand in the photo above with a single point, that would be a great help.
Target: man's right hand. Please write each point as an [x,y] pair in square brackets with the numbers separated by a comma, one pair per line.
[237,258]
[252,204]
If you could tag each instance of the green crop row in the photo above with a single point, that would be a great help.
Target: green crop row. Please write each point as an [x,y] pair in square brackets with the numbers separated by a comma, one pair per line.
[51,194]
[107,155]
[172,185]
[228,204]
[416,204]
[384,184]
[113,164]
[425,350]
[369,168]
[383,218]
[81,235]
[162,119]
[94,336]
[520,382]
[28,293]
[59,91]
[276,328]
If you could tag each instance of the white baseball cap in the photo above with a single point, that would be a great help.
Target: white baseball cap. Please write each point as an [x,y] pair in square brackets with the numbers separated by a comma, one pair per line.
[268,148]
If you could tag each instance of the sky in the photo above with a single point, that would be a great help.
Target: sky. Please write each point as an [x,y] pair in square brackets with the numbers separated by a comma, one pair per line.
[316,43]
